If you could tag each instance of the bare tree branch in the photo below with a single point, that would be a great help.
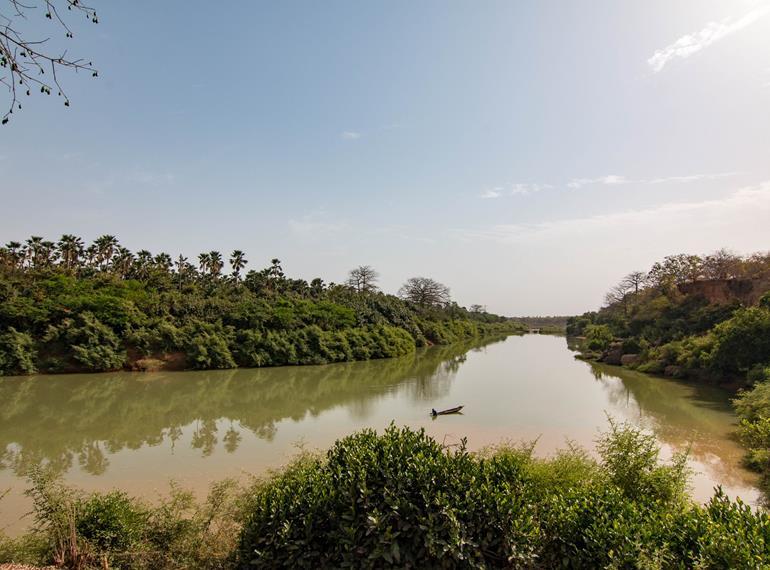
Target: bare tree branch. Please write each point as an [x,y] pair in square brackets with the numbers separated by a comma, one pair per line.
[24,62]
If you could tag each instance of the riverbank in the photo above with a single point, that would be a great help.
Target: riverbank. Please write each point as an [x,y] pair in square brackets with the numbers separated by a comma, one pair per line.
[136,431]
[402,499]
[751,398]
[60,318]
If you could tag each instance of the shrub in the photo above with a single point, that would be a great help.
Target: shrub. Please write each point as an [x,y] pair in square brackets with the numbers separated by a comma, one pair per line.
[631,458]
[401,500]
[17,353]
[110,522]
[598,337]
[754,404]
[207,347]
[758,374]
[393,500]
[742,341]
[93,344]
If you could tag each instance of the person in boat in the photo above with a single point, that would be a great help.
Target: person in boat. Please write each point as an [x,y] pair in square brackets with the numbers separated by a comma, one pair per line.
[433,412]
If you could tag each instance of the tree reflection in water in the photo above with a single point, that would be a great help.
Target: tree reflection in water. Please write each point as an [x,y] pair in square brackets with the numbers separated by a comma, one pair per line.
[53,420]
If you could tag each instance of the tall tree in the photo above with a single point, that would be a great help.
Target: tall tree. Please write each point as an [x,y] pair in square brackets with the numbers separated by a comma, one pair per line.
[424,291]
[35,251]
[15,254]
[275,271]
[70,250]
[105,249]
[618,295]
[676,270]
[215,263]
[143,264]
[722,264]
[635,280]
[163,262]
[237,262]
[203,262]
[122,262]
[363,279]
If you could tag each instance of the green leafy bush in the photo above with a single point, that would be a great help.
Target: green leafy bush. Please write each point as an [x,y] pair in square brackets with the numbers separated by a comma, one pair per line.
[598,337]
[207,346]
[401,500]
[742,341]
[92,344]
[110,522]
[17,353]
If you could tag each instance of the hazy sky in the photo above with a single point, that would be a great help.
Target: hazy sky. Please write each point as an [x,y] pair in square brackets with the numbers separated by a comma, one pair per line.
[527,154]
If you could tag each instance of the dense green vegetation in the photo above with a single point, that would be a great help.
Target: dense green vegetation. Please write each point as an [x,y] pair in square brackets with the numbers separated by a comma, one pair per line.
[689,316]
[66,307]
[402,500]
[701,318]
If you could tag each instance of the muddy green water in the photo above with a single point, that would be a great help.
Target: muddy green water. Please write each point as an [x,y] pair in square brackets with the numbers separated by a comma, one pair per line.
[137,431]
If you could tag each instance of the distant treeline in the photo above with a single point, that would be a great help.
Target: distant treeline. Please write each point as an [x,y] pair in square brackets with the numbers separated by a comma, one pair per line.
[555,323]
[702,318]
[66,307]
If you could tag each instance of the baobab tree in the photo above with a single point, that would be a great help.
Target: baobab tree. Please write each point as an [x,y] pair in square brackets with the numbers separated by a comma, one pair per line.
[425,292]
[363,279]
[618,295]
[635,280]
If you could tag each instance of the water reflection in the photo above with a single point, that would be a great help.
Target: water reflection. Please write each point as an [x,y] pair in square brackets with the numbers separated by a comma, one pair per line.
[137,431]
[682,415]
[60,420]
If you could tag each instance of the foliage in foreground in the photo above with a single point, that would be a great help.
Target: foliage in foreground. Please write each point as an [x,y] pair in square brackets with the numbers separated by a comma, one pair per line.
[400,499]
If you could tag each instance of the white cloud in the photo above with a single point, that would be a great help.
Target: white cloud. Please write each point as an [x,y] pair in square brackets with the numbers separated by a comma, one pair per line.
[614,179]
[514,190]
[609,180]
[524,189]
[315,225]
[494,193]
[692,177]
[741,210]
[691,44]
[350,135]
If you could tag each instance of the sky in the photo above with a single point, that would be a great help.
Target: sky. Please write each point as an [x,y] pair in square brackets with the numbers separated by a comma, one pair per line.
[526,154]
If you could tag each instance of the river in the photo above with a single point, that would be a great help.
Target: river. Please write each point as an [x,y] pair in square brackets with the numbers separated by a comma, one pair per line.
[138,431]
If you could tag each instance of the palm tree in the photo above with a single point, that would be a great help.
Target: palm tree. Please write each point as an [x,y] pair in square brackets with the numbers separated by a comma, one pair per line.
[182,269]
[203,262]
[237,261]
[215,263]
[181,264]
[34,251]
[163,261]
[48,253]
[275,270]
[143,263]
[15,253]
[70,250]
[91,255]
[122,261]
[105,248]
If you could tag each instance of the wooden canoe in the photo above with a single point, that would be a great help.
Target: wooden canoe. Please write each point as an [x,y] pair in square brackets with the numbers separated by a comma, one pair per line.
[448,411]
